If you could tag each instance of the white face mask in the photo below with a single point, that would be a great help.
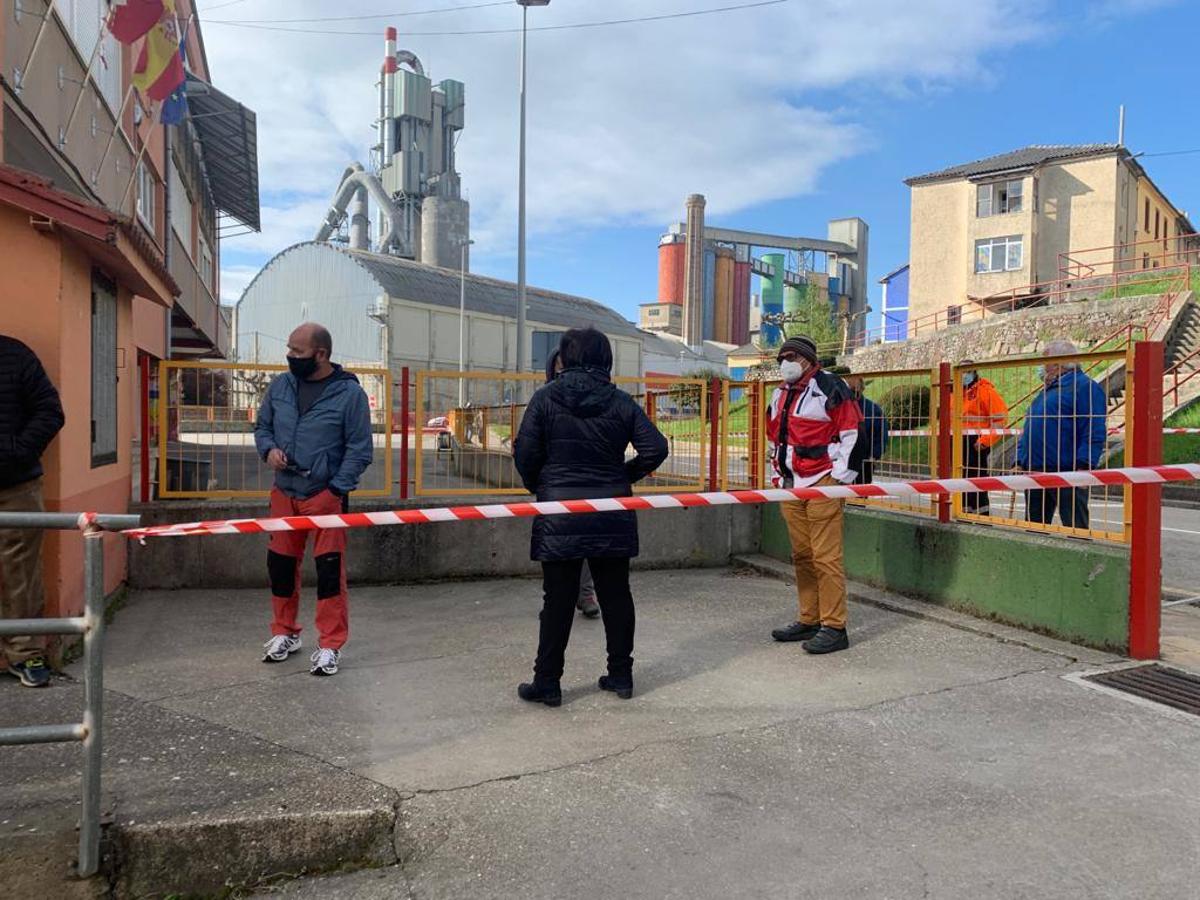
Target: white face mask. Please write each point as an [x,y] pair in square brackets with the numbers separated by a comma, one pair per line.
[792,371]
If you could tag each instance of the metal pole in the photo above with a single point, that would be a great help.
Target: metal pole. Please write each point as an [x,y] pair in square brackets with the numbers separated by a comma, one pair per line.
[144,447]
[1145,546]
[521,291]
[93,693]
[462,313]
[406,422]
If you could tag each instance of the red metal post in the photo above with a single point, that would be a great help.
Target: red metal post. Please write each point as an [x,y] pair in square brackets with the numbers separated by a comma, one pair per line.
[1145,551]
[753,439]
[652,407]
[406,422]
[714,415]
[144,470]
[945,434]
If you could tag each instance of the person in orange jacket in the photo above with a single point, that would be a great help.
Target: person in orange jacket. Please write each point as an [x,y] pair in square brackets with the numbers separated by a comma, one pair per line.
[982,408]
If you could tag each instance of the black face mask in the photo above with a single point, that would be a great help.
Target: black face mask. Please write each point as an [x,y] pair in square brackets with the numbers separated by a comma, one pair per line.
[302,366]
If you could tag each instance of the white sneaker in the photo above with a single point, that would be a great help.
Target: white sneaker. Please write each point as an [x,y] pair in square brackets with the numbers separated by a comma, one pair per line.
[324,662]
[280,647]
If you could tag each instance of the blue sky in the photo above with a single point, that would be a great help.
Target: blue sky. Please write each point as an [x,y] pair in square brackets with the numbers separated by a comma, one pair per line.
[895,94]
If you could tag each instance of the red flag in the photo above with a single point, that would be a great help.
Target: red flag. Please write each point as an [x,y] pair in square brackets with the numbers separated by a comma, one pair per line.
[134,18]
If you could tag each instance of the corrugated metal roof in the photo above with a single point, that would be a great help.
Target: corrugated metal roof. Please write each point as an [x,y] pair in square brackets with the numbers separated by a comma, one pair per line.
[408,280]
[1025,158]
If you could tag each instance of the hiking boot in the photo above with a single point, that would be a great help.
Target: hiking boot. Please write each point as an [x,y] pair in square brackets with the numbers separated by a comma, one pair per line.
[797,631]
[280,647]
[588,607]
[828,640]
[622,687]
[324,661]
[532,692]
[33,672]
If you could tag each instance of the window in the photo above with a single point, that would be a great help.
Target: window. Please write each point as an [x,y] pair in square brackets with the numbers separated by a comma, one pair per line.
[998,198]
[1146,228]
[145,195]
[1002,254]
[206,264]
[654,312]
[1156,223]
[181,209]
[104,371]
[84,21]
[1145,260]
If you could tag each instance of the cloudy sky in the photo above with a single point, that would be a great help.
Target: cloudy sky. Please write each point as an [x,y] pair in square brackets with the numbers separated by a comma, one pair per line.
[784,114]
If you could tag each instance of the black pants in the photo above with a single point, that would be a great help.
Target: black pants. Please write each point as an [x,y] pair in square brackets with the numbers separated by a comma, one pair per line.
[1071,503]
[560,586]
[865,469]
[975,465]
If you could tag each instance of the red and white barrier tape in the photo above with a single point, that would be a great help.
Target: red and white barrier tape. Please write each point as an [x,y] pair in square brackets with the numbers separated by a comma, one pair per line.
[1146,475]
[924,432]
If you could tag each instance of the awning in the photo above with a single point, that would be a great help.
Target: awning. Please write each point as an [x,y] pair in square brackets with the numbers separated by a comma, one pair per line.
[229,136]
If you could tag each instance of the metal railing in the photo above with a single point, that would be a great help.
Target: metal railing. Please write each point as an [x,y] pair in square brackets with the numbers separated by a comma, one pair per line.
[919,425]
[206,418]
[91,626]
[465,423]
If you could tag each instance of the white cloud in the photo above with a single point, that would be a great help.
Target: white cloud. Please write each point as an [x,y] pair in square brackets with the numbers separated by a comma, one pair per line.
[624,121]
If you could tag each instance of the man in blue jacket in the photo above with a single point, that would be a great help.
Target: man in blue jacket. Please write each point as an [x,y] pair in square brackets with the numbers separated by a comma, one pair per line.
[872,440]
[1064,432]
[314,430]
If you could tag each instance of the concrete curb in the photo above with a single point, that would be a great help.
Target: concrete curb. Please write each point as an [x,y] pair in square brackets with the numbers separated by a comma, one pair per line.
[211,857]
[918,609]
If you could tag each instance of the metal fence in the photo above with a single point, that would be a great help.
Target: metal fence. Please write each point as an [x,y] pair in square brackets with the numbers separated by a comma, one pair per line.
[930,423]
[91,626]
[465,423]
[206,430]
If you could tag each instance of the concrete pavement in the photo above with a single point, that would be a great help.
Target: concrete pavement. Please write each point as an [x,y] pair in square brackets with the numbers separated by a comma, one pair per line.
[927,761]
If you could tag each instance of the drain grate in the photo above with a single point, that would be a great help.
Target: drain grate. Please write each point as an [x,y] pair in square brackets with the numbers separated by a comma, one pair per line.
[1169,687]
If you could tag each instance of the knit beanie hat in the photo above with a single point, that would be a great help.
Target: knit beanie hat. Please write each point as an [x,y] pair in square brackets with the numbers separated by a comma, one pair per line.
[801,346]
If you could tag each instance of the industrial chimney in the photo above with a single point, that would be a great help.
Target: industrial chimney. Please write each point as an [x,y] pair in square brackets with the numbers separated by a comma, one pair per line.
[693,282]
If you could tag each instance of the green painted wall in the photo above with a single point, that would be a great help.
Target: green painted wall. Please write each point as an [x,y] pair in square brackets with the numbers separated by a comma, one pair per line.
[1075,590]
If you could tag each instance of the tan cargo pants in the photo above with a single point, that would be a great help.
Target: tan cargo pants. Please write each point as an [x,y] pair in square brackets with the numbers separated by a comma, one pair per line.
[22,594]
[815,530]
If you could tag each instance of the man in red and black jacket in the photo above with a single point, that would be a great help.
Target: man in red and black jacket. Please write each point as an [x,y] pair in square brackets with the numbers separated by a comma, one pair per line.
[812,424]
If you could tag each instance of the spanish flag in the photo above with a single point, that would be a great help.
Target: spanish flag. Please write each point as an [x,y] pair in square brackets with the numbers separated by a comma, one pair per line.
[159,70]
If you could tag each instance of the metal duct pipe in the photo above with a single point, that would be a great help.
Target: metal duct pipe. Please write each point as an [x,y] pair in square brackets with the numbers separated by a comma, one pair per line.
[359,223]
[407,56]
[353,180]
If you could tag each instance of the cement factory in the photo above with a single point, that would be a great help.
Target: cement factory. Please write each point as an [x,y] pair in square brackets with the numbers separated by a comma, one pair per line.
[705,275]
[394,284]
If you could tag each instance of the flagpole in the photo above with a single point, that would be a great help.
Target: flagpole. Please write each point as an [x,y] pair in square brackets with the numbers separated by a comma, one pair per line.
[113,134]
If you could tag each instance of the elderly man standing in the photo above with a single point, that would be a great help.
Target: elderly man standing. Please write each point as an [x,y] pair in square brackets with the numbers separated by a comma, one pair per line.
[30,416]
[314,430]
[1064,432]
[812,426]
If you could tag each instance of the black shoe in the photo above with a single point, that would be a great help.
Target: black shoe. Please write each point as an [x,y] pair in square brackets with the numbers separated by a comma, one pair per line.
[797,631]
[589,607]
[622,687]
[550,694]
[32,672]
[828,640]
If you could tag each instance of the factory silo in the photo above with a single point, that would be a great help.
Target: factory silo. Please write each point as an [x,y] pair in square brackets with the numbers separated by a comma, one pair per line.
[794,296]
[445,228]
[710,292]
[772,299]
[723,290]
[740,331]
[672,263]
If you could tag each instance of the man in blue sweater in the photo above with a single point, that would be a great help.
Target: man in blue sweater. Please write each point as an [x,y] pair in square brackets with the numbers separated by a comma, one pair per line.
[314,430]
[1064,432]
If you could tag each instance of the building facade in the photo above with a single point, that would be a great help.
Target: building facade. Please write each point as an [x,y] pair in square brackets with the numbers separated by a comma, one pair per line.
[1010,221]
[895,304]
[109,249]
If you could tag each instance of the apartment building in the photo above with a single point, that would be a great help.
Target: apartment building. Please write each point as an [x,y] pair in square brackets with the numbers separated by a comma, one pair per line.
[110,227]
[1001,223]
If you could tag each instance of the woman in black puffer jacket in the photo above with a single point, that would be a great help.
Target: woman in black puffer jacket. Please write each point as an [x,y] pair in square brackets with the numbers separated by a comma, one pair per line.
[571,446]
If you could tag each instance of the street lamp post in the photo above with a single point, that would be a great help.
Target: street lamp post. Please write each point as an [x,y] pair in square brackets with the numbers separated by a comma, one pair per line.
[521,290]
[462,316]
